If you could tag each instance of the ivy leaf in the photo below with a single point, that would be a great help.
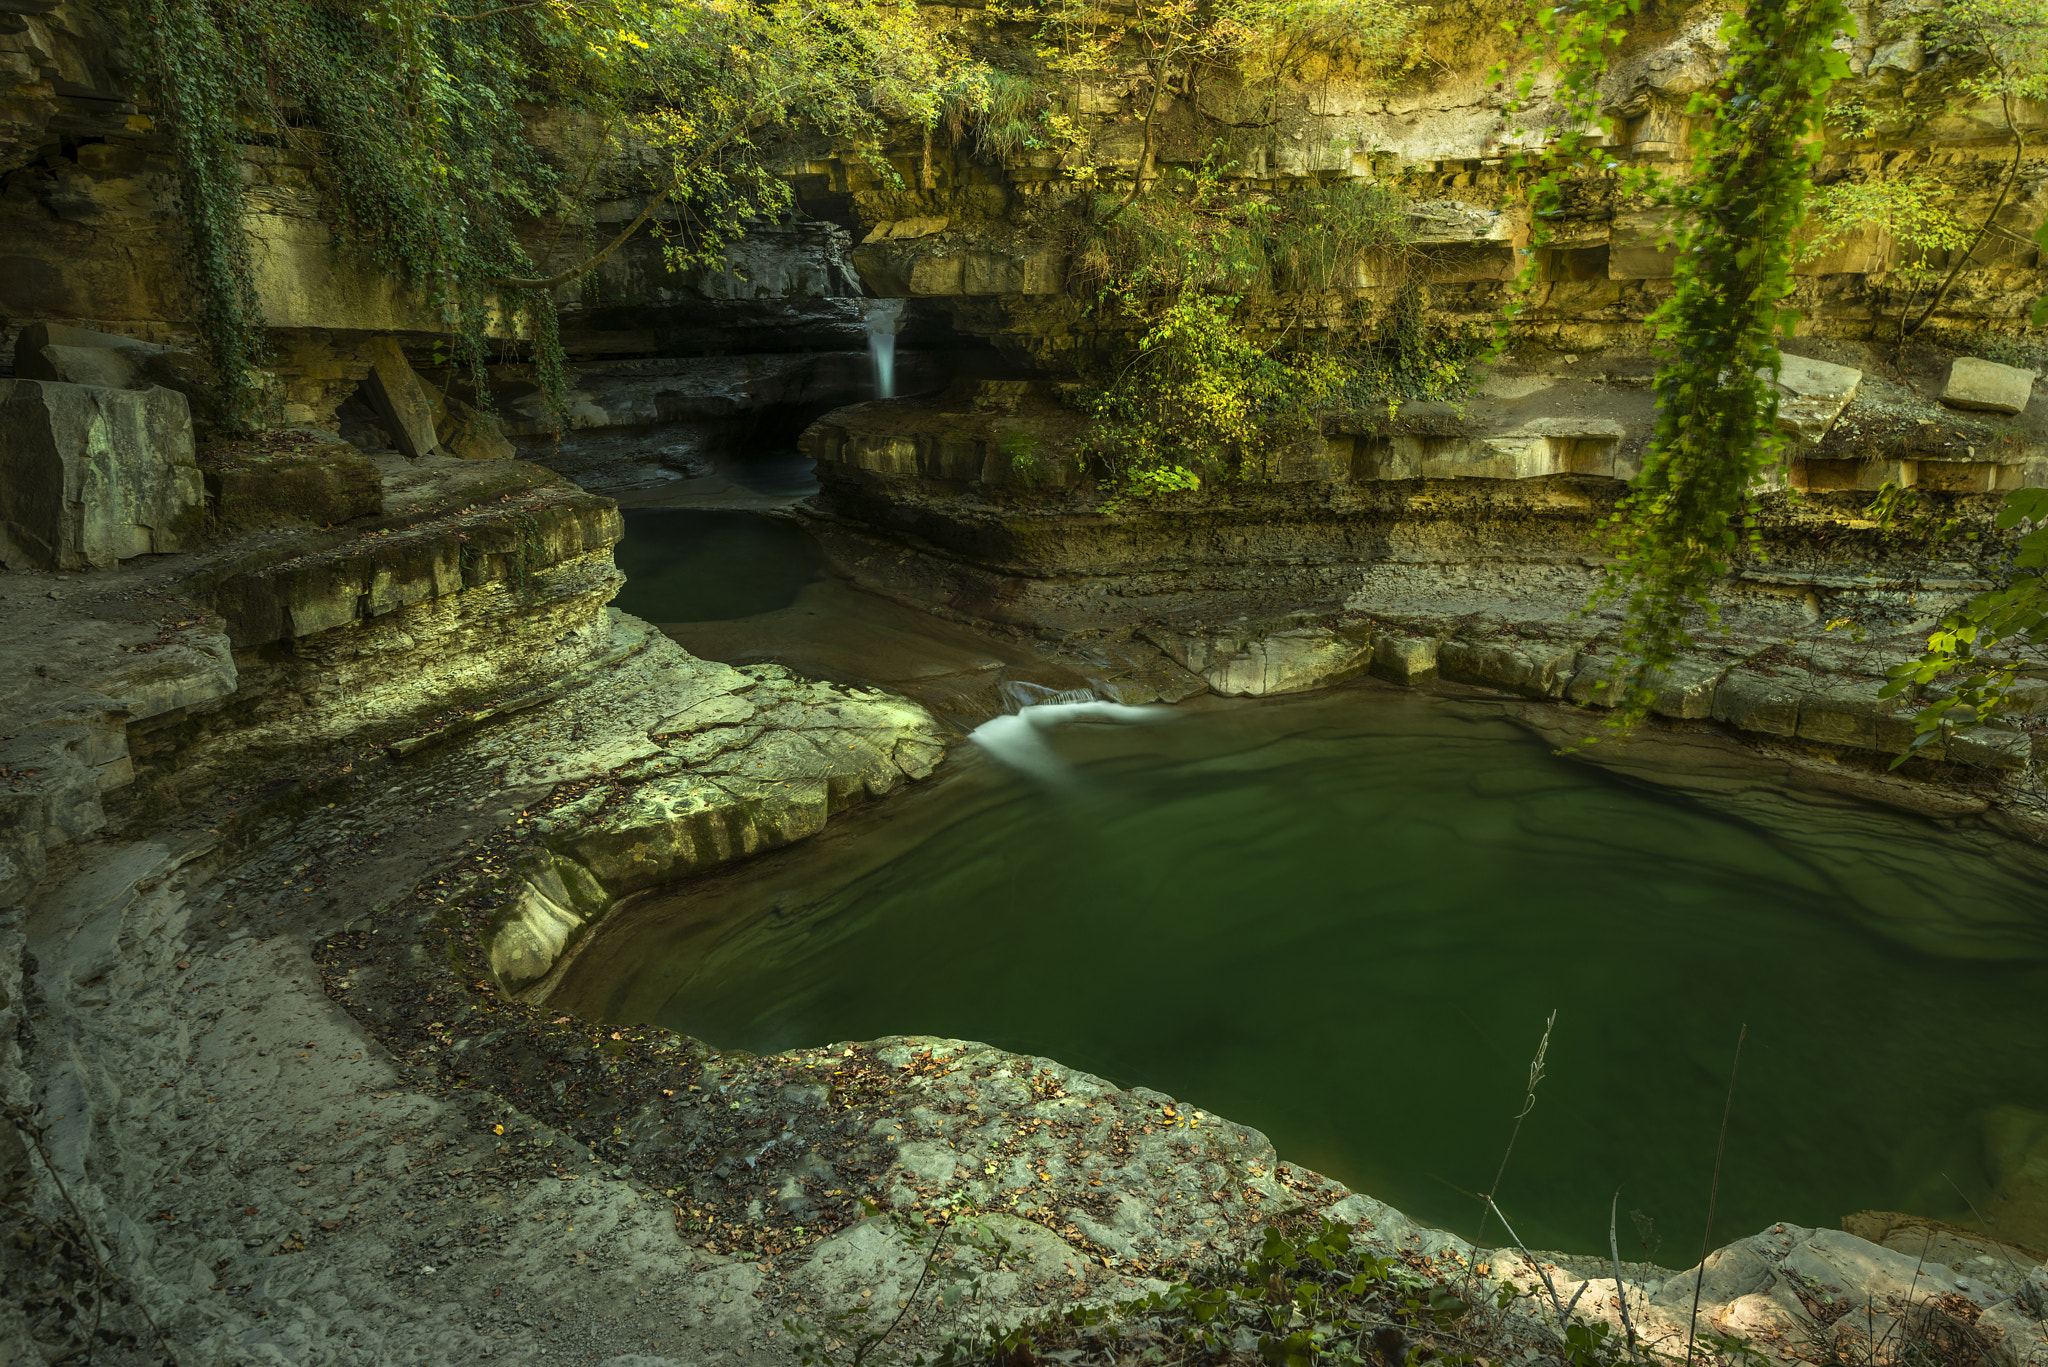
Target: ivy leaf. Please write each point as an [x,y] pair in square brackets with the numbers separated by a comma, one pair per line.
[2029,505]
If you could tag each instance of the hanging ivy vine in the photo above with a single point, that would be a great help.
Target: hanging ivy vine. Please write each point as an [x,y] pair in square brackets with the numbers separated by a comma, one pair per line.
[420,155]
[1735,210]
[414,115]
[186,56]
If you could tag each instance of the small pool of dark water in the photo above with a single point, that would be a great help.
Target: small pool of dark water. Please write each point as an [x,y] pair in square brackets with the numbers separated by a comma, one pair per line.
[690,565]
[1344,919]
[778,472]
[746,586]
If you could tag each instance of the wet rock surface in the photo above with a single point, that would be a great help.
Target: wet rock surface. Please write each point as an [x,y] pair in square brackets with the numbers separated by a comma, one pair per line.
[700,763]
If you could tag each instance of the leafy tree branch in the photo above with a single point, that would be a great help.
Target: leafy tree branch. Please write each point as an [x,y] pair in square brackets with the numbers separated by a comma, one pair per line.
[2006,44]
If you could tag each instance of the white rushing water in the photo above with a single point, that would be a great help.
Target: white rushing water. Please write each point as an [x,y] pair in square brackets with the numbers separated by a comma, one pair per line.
[1018,738]
[885,320]
[1018,695]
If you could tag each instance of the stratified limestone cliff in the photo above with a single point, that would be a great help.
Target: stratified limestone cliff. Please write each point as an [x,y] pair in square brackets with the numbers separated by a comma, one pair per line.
[982,237]
[986,237]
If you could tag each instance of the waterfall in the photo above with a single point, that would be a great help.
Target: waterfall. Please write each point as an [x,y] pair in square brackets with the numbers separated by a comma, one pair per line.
[1017,738]
[1018,695]
[885,320]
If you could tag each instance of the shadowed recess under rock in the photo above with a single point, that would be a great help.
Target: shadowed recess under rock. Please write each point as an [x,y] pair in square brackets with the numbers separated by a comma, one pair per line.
[686,565]
[1343,919]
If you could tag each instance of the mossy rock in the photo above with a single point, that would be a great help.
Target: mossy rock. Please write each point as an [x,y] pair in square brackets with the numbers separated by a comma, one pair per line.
[289,479]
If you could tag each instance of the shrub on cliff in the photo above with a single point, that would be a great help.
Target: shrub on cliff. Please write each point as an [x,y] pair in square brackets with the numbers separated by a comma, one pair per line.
[1230,324]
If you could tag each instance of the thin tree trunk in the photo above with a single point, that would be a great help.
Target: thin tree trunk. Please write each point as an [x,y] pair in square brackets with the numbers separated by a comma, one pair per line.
[574,272]
[2012,175]
[1145,152]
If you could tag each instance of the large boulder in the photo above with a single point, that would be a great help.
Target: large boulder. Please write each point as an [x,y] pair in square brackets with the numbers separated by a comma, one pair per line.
[468,434]
[401,400]
[71,355]
[1812,394]
[91,475]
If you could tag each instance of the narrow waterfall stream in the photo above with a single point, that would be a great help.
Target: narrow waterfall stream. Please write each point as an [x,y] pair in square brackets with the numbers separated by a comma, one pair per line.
[885,320]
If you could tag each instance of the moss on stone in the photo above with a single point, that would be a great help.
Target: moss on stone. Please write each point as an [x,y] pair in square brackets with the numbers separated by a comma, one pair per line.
[289,479]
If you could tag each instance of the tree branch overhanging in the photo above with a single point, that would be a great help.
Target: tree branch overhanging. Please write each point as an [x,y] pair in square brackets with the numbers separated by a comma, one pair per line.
[563,277]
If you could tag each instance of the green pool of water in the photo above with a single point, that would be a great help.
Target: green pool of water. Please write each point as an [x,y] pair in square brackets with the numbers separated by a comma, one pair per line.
[1344,920]
[688,565]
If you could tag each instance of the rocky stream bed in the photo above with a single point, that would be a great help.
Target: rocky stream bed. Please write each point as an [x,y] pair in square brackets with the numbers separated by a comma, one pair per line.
[272,1084]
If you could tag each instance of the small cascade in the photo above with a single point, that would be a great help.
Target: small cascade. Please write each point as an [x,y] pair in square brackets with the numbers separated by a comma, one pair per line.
[1017,738]
[885,320]
[1018,695]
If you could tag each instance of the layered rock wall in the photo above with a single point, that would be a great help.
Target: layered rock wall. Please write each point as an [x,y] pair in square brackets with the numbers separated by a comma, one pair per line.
[986,235]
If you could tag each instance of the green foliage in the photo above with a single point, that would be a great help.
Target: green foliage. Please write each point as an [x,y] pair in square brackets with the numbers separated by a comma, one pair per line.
[1910,209]
[1222,285]
[1677,529]
[1571,44]
[1977,653]
[2003,42]
[1246,341]
[1304,1300]
[2002,47]
[1002,114]
[1753,146]
[2038,315]
[2013,349]
[1201,401]
[414,117]
[716,74]
[1196,232]
[1904,517]
[1308,40]
[1397,354]
[1970,660]
[1990,55]
[1175,41]
[188,60]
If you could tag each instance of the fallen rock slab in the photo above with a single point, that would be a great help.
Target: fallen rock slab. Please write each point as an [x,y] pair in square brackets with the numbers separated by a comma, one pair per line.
[1987,386]
[1258,663]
